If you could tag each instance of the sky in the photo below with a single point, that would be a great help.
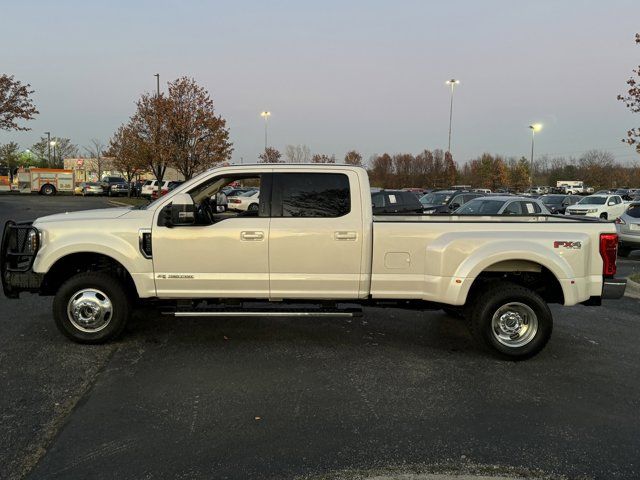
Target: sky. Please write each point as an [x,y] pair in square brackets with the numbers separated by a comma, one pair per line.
[338,75]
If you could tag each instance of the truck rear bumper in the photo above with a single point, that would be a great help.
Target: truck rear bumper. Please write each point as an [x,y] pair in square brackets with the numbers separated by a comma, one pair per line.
[613,288]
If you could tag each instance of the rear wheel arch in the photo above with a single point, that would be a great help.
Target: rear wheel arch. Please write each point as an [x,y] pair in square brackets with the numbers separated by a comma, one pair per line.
[526,273]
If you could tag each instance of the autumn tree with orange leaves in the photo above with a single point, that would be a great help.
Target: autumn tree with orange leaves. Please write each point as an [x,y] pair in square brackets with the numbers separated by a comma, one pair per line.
[15,103]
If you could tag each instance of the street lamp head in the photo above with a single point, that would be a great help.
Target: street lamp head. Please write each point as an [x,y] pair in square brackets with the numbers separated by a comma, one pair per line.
[453,81]
[265,114]
[536,127]
[52,143]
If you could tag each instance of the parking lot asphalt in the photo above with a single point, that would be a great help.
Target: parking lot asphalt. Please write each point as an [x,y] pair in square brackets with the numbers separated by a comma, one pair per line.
[389,393]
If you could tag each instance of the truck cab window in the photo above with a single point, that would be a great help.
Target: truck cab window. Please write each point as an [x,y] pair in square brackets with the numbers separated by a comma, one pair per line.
[223,198]
[311,195]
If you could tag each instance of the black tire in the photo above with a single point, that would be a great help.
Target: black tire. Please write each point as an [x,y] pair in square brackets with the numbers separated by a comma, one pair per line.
[604,216]
[253,207]
[623,251]
[510,298]
[455,312]
[48,189]
[106,285]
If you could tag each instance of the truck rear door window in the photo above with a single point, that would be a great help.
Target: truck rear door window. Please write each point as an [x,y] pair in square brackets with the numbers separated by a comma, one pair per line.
[311,195]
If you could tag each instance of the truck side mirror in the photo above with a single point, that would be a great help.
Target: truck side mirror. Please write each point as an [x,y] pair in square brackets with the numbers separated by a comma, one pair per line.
[183,211]
[611,202]
[454,206]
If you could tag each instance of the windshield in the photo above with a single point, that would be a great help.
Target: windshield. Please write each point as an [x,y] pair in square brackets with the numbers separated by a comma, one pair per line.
[480,207]
[593,200]
[435,198]
[552,199]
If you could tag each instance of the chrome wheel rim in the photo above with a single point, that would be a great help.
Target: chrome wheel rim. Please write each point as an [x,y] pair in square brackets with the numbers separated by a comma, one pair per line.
[514,324]
[89,310]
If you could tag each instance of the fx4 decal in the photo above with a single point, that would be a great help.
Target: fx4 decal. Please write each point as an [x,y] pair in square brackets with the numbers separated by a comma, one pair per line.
[567,244]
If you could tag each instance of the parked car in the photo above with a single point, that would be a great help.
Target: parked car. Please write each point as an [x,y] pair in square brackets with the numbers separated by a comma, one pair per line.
[506,205]
[606,207]
[395,201]
[486,191]
[245,201]
[114,186]
[446,201]
[625,193]
[164,190]
[559,203]
[628,226]
[234,192]
[151,185]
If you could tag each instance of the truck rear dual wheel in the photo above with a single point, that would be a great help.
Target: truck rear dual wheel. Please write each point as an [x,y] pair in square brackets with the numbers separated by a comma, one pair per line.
[511,321]
[91,307]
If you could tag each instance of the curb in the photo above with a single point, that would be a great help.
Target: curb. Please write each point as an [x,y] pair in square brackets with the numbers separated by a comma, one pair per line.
[633,289]
[119,204]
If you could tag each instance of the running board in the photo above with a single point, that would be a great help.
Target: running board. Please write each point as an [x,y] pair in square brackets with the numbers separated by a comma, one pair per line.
[264,311]
[263,314]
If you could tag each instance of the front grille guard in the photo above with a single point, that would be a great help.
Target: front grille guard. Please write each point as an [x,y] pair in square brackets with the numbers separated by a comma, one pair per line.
[16,252]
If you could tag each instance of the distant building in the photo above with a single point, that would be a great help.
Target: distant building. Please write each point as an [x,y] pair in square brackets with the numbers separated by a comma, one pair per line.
[86,170]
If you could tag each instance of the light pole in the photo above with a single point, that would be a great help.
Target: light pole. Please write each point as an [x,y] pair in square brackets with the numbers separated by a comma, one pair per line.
[48,148]
[536,127]
[157,75]
[53,144]
[452,83]
[266,114]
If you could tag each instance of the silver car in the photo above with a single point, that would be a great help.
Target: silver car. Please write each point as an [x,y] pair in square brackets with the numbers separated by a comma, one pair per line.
[503,205]
[628,226]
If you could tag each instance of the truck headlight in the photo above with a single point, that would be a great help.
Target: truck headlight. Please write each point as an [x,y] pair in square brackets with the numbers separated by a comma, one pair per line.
[33,241]
[592,210]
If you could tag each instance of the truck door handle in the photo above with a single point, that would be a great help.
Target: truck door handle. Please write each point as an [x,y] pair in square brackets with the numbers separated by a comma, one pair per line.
[345,235]
[256,236]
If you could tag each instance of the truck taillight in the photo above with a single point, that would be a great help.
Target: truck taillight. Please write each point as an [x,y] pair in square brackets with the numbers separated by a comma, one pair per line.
[608,252]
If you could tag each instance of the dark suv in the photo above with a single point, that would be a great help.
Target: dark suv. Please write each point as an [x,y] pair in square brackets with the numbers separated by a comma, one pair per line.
[114,186]
[446,201]
[395,201]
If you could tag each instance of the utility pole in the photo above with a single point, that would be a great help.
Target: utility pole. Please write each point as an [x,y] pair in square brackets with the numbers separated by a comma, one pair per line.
[536,127]
[157,75]
[452,83]
[48,148]
[266,114]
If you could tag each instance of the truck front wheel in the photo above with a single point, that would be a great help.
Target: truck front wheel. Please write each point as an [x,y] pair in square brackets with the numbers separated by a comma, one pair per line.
[512,321]
[91,307]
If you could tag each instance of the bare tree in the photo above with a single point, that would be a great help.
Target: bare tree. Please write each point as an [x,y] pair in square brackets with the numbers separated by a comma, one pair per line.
[297,153]
[63,148]
[15,103]
[95,150]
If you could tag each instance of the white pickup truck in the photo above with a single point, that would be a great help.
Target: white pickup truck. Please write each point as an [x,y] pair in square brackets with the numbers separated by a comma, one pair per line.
[313,247]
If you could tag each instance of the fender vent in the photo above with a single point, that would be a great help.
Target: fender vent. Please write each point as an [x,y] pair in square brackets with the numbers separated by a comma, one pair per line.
[145,242]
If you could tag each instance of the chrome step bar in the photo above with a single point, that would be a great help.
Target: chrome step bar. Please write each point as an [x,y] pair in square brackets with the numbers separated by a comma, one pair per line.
[263,314]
